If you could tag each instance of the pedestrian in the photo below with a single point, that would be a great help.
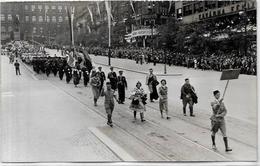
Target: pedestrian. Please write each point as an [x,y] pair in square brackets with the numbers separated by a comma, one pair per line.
[17,67]
[102,77]
[75,77]
[188,96]
[122,86]
[138,97]
[163,101]
[109,102]
[218,120]
[95,83]
[112,78]
[85,76]
[152,82]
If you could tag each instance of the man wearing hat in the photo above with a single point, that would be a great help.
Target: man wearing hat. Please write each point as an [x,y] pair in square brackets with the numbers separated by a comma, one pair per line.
[102,77]
[112,78]
[218,121]
[122,86]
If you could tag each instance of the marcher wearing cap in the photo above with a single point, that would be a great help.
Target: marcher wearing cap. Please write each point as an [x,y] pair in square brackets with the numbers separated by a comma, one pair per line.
[163,98]
[218,120]
[122,86]
[95,83]
[112,78]
[151,82]
[102,77]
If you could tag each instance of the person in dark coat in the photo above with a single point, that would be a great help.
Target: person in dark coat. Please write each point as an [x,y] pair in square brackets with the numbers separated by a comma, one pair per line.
[102,77]
[113,78]
[122,86]
[152,82]
[188,96]
[61,71]
[76,77]
[85,76]
[17,67]
[68,73]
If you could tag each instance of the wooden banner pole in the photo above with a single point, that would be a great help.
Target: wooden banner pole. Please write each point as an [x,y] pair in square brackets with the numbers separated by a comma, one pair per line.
[225,89]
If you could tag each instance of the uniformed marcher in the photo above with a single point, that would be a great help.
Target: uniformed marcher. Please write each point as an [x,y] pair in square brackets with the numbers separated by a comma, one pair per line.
[61,71]
[102,77]
[151,82]
[95,83]
[218,120]
[163,99]
[75,77]
[68,73]
[122,86]
[112,78]
[109,102]
[188,96]
[85,76]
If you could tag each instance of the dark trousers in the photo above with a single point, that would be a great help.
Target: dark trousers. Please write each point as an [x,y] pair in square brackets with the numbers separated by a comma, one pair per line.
[17,70]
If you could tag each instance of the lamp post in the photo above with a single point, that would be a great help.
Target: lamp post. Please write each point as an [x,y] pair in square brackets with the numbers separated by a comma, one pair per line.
[151,22]
[165,57]
[244,17]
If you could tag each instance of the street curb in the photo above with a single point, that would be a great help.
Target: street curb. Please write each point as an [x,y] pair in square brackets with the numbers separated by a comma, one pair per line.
[135,71]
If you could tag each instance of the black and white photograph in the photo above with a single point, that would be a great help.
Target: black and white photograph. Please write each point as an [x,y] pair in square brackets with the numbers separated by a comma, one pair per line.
[129,82]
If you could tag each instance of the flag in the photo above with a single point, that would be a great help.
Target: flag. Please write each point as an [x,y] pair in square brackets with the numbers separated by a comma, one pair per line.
[98,9]
[131,3]
[91,15]
[108,9]
[16,22]
[89,30]
[170,6]
[71,17]
[71,60]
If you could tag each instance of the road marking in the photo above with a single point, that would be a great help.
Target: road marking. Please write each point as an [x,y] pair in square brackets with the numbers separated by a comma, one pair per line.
[120,152]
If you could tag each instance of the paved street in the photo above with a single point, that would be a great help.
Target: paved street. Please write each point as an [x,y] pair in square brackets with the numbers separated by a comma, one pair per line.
[45,119]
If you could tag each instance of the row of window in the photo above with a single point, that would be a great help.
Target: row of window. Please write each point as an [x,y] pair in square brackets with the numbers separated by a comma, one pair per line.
[46,18]
[9,17]
[46,7]
[10,28]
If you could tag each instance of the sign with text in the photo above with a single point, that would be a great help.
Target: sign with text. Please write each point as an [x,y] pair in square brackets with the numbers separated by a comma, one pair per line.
[230,74]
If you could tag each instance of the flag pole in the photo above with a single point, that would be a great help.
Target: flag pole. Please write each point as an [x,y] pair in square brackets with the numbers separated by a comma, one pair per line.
[225,89]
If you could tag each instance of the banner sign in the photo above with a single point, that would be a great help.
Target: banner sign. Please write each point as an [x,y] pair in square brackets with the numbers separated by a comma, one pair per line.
[230,74]
[141,32]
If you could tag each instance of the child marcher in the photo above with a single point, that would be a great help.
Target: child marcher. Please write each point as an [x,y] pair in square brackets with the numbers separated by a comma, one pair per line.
[163,101]
[109,102]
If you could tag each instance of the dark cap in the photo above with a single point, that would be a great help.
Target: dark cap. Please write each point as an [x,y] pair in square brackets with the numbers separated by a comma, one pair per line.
[120,71]
[108,83]
[100,67]
[186,79]
[216,92]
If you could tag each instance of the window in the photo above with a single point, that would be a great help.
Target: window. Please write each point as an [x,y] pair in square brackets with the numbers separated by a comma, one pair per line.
[2,17]
[3,29]
[33,8]
[223,11]
[47,18]
[47,7]
[206,15]
[219,12]
[53,19]
[41,29]
[200,16]
[34,29]
[26,7]
[33,18]
[60,19]
[10,29]
[53,7]
[238,7]
[27,19]
[232,8]
[40,19]
[40,7]
[9,18]
[17,16]
[60,8]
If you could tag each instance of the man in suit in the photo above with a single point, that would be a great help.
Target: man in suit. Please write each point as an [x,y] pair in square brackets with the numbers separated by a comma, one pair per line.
[102,77]
[17,67]
[113,78]
[218,120]
[122,86]
[187,93]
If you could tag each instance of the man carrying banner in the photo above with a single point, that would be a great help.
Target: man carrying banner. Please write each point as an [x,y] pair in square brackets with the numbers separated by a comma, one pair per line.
[218,121]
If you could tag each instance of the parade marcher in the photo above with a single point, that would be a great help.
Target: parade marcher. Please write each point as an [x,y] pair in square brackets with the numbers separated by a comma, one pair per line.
[68,73]
[112,78]
[17,67]
[122,86]
[188,96]
[85,76]
[138,97]
[75,77]
[152,82]
[61,71]
[218,120]
[102,77]
[109,102]
[163,101]
[95,83]
[47,68]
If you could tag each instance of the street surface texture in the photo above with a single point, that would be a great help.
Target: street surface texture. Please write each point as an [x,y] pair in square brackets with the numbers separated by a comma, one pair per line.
[46,120]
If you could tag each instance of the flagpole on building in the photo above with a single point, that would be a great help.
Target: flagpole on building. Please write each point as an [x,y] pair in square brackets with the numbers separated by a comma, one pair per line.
[108,8]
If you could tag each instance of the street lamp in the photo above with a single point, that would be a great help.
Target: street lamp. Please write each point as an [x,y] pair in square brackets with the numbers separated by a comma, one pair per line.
[165,57]
[244,17]
[151,22]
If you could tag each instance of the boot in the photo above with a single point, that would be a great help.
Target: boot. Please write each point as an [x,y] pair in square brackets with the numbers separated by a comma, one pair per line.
[142,117]
[135,115]
[191,112]
[109,120]
[184,111]
[95,102]
[213,142]
[161,113]
[226,144]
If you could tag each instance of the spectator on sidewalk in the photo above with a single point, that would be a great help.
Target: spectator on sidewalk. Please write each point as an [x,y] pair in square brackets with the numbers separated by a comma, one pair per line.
[109,102]
[95,83]
[188,96]
[122,86]
[17,67]
[163,101]
[151,82]
[218,120]
[138,97]
[112,78]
